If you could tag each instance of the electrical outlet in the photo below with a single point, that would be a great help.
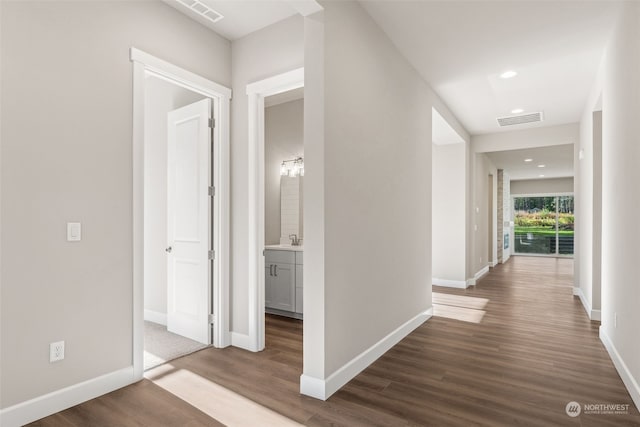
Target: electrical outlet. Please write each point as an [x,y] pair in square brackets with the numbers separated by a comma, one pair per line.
[56,351]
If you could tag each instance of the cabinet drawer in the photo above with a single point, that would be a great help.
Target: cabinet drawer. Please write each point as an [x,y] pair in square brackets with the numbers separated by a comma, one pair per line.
[275,257]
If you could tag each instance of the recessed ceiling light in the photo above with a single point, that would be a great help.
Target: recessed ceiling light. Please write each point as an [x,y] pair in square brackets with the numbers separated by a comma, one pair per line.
[517,111]
[508,74]
[541,176]
[528,160]
[542,166]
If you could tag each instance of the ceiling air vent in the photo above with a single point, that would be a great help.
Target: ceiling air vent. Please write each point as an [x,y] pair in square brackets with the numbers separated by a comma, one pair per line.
[521,119]
[202,10]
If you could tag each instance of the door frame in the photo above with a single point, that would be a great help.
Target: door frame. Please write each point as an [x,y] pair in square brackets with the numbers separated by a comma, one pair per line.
[144,65]
[256,92]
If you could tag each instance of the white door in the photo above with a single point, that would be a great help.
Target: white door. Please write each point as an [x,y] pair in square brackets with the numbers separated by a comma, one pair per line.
[189,231]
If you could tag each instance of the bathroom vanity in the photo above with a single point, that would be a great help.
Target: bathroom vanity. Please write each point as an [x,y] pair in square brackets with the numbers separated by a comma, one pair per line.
[283,280]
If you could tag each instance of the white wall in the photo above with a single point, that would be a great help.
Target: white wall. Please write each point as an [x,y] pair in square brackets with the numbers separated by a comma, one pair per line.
[588,203]
[377,253]
[480,213]
[507,217]
[449,213]
[542,186]
[160,98]
[265,53]
[67,156]
[314,206]
[620,197]
[596,259]
[284,140]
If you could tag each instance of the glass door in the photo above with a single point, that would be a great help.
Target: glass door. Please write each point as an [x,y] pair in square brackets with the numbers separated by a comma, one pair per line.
[566,221]
[543,225]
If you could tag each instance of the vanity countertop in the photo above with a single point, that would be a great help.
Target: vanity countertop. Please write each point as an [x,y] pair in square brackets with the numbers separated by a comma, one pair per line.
[284,248]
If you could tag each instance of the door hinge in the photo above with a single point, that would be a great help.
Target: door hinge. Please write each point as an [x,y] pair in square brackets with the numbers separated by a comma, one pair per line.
[212,318]
[212,123]
[212,191]
[212,254]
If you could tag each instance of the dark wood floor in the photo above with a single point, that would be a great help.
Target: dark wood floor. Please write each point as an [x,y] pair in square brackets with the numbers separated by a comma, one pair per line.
[534,351]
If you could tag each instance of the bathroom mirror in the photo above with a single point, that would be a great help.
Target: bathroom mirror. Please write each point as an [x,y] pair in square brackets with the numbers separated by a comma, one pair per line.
[291,195]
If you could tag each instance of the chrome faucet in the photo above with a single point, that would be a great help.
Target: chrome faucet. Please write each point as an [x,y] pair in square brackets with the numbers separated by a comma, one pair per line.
[294,240]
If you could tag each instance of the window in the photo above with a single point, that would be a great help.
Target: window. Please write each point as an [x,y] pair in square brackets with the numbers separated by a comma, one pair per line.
[544,225]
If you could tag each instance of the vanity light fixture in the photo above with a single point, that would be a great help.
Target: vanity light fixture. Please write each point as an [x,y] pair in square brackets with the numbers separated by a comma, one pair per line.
[292,168]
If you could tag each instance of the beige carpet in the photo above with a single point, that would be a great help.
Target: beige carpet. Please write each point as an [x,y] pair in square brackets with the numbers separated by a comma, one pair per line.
[161,346]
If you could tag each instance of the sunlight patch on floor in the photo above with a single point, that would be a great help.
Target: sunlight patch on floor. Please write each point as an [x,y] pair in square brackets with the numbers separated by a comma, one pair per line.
[460,301]
[459,307]
[222,404]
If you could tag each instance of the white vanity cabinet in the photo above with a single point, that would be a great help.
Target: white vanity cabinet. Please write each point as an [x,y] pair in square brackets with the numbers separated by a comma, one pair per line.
[282,292]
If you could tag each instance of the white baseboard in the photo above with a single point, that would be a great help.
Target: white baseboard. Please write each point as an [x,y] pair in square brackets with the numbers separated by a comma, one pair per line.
[450,283]
[314,387]
[59,400]
[155,317]
[630,383]
[493,263]
[323,389]
[478,276]
[593,314]
[242,341]
[484,270]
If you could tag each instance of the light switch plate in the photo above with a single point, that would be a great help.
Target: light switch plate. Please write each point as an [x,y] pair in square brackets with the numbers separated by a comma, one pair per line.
[74,232]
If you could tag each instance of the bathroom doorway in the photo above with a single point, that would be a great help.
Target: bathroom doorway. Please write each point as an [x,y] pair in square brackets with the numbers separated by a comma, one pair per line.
[283,198]
[276,106]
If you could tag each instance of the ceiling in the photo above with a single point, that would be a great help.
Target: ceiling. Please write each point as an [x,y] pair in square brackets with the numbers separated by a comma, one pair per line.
[241,17]
[558,161]
[461,48]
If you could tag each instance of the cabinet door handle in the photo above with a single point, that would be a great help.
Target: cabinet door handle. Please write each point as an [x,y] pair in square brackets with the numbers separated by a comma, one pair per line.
[270,269]
[276,269]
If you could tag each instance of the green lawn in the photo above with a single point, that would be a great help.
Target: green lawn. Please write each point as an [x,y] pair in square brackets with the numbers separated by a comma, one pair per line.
[542,231]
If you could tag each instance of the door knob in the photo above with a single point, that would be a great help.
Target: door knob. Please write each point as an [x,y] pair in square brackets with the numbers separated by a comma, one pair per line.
[169,249]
